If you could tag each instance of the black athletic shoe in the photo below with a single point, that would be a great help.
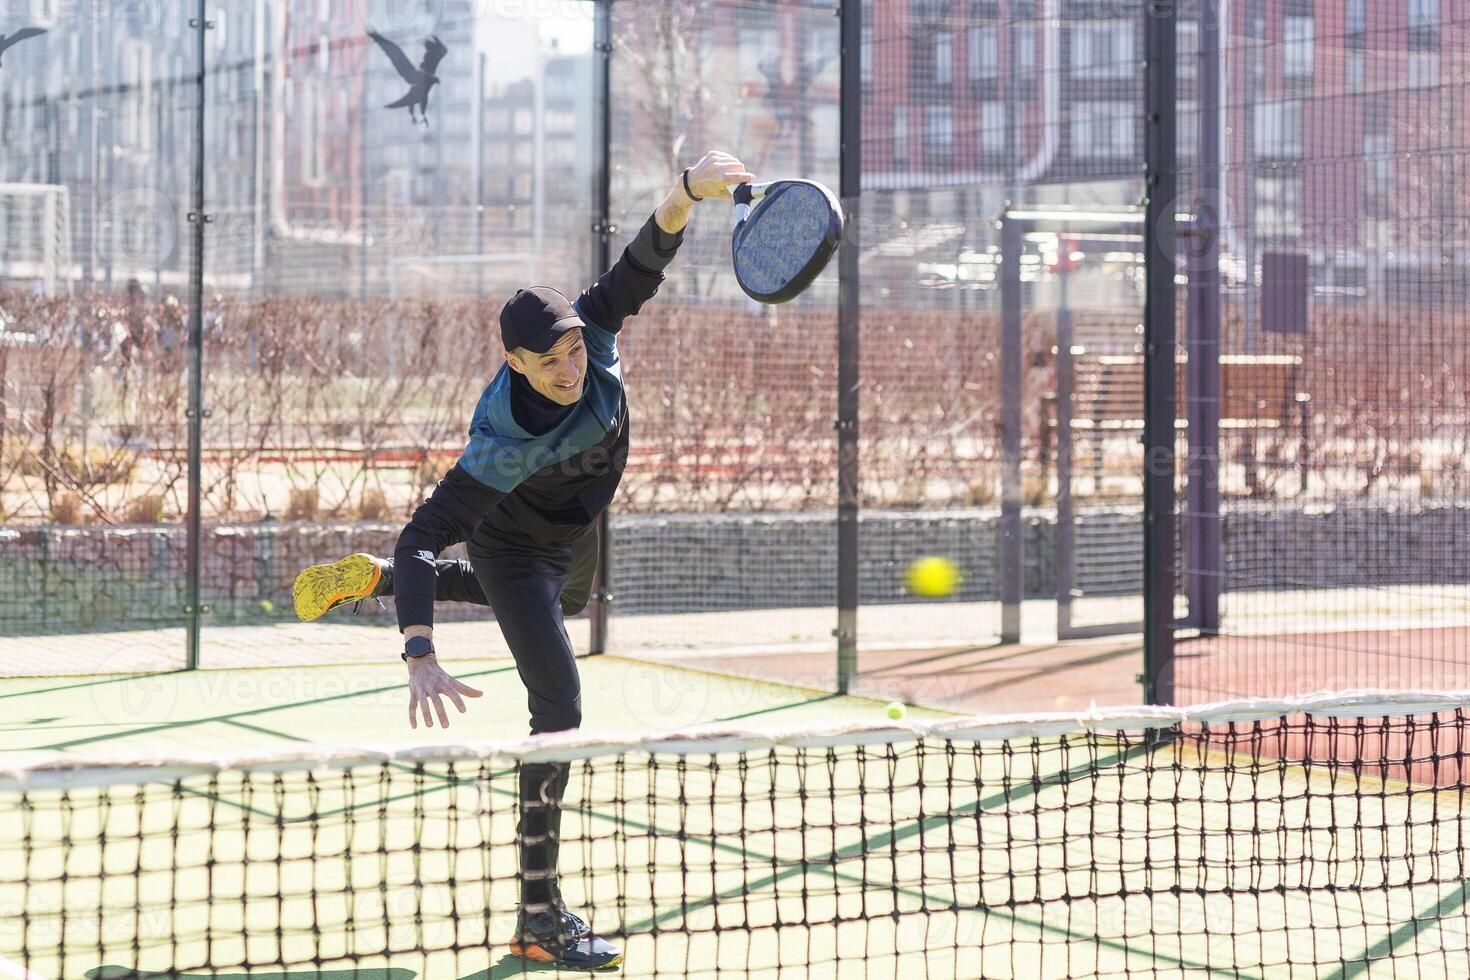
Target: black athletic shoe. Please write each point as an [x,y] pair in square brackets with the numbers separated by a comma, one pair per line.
[564,939]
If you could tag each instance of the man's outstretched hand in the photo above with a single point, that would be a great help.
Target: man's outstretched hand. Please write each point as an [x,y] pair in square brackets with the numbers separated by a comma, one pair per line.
[427,683]
[716,173]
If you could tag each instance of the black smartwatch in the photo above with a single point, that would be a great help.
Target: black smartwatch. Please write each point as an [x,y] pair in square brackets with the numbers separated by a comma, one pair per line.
[416,647]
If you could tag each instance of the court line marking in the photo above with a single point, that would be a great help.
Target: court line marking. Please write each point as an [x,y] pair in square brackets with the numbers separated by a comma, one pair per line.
[1426,919]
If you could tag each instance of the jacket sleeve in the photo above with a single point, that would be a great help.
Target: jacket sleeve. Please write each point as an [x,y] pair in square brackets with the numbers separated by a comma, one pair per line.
[633,280]
[447,517]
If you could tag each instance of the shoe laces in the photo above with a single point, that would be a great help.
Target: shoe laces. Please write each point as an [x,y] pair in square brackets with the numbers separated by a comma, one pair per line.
[357,606]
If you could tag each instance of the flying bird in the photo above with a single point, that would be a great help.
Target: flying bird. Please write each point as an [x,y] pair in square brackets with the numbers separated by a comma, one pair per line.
[8,41]
[420,79]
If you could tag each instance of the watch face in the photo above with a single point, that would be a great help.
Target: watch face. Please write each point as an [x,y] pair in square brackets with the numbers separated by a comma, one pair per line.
[418,646]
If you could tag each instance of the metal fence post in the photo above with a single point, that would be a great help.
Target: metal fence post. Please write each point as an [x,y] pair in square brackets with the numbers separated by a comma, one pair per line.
[1012,568]
[848,336]
[597,609]
[193,610]
[1159,335]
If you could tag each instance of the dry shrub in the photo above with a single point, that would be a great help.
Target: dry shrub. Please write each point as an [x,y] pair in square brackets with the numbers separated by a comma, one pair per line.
[982,493]
[1035,489]
[147,509]
[66,508]
[304,505]
[94,466]
[373,506]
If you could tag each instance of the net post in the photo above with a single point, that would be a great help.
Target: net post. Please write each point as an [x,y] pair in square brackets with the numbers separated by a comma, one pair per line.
[1159,335]
[597,608]
[848,337]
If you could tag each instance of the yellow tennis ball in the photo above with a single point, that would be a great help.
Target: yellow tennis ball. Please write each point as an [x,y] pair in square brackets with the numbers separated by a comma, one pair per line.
[896,710]
[933,577]
[266,605]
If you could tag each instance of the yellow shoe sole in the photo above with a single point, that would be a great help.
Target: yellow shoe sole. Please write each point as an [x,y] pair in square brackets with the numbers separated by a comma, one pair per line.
[324,587]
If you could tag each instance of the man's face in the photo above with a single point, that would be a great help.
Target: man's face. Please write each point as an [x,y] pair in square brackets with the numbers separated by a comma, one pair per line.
[559,373]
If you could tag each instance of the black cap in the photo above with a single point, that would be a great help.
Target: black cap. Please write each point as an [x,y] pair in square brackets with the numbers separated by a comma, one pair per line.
[536,318]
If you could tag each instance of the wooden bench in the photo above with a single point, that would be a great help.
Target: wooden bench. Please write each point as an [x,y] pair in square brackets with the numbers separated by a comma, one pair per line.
[1259,394]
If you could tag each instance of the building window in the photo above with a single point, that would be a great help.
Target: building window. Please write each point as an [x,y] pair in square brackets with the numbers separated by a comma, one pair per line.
[1187,134]
[1423,69]
[1188,49]
[984,53]
[523,121]
[1378,163]
[1357,16]
[865,60]
[1104,49]
[1278,206]
[1423,14]
[940,146]
[992,127]
[1296,47]
[1025,42]
[1278,129]
[943,58]
[1103,129]
[900,134]
[1354,71]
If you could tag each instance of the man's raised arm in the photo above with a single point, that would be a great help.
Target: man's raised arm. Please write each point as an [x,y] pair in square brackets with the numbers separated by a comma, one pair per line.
[635,278]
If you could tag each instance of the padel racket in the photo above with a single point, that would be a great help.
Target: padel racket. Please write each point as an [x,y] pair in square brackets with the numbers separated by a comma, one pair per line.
[785,233]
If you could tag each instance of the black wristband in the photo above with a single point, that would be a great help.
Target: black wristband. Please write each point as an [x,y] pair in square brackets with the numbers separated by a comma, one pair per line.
[417,647]
[686,186]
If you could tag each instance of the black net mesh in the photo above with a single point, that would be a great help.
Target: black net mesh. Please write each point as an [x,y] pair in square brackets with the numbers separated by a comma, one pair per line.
[1275,844]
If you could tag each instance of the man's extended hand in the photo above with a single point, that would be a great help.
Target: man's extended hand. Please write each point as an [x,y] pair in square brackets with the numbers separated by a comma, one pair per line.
[715,173]
[427,682]
[712,176]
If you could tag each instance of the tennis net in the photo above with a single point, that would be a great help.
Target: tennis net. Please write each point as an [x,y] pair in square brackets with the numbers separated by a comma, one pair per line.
[1309,837]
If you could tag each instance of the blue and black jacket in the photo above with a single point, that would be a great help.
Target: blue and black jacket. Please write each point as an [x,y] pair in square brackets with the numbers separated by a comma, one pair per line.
[534,471]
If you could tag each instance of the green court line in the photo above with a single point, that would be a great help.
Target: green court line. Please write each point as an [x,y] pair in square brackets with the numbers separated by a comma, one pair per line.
[1447,903]
[190,722]
[781,707]
[96,683]
[236,723]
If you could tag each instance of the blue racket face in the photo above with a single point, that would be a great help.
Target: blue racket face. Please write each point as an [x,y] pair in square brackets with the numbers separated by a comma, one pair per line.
[786,241]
